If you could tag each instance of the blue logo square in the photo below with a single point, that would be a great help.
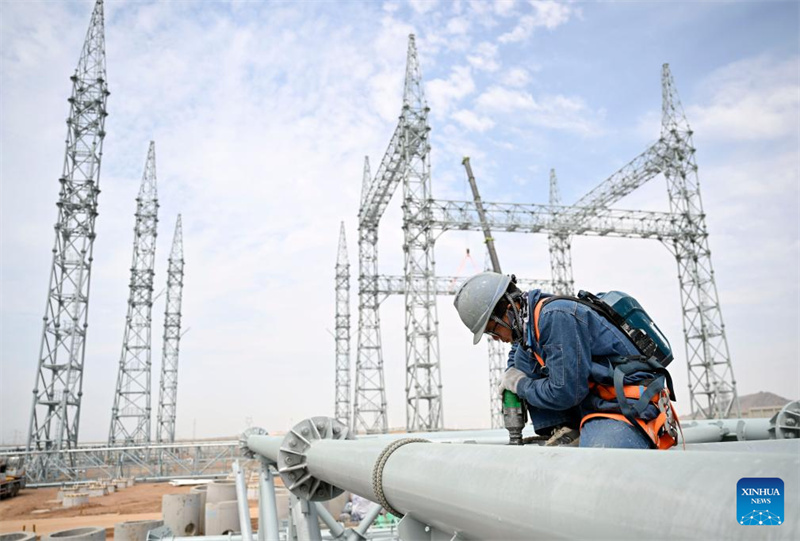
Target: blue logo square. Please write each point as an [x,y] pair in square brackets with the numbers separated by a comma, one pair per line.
[759,501]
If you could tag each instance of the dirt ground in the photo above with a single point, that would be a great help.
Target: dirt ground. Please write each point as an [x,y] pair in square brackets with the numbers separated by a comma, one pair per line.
[38,508]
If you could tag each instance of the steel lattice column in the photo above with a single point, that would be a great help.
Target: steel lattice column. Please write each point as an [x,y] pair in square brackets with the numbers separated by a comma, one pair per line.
[57,391]
[560,249]
[342,330]
[712,386]
[168,392]
[423,379]
[130,415]
[369,402]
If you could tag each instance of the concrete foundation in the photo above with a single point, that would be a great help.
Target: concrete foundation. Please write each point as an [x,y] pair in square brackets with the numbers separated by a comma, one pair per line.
[18,536]
[90,533]
[96,492]
[221,491]
[203,491]
[222,518]
[111,488]
[181,512]
[63,491]
[75,499]
[135,530]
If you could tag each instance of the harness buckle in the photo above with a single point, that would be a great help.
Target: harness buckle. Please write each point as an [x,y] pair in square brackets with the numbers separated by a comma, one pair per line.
[665,406]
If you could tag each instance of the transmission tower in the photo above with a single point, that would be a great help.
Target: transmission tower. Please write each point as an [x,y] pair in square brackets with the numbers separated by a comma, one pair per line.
[342,393]
[168,392]
[369,402]
[712,386]
[130,416]
[57,391]
[423,379]
[560,249]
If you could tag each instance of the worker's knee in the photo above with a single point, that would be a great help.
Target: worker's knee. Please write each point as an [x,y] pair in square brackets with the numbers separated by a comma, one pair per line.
[612,433]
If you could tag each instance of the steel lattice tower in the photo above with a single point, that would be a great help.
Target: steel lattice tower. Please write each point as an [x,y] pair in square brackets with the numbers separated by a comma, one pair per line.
[423,379]
[130,416]
[560,249]
[168,392]
[342,330]
[712,386]
[369,402]
[57,391]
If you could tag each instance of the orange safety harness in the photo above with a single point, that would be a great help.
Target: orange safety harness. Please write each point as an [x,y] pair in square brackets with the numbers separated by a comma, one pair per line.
[662,431]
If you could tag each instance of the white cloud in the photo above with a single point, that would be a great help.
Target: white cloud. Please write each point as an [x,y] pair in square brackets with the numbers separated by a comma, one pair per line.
[471,121]
[753,99]
[504,8]
[443,94]
[423,6]
[484,57]
[546,14]
[503,100]
[552,111]
[458,25]
[516,77]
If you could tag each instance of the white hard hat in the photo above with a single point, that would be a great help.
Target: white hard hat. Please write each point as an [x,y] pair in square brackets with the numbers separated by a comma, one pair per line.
[476,299]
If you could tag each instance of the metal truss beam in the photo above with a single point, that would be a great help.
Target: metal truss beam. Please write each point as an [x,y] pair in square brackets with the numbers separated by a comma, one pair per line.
[557,220]
[130,415]
[168,396]
[198,459]
[445,285]
[58,388]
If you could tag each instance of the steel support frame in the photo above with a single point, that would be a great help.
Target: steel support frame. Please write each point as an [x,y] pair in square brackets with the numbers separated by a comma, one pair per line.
[168,387]
[130,414]
[152,462]
[58,387]
[342,333]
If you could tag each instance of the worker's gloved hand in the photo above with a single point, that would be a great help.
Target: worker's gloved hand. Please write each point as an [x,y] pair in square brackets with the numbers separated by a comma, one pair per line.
[510,380]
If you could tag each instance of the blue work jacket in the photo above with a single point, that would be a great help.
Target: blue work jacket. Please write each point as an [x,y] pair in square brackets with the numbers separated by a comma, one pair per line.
[576,344]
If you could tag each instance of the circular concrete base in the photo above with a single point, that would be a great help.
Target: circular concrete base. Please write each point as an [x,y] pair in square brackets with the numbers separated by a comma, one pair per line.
[135,530]
[90,533]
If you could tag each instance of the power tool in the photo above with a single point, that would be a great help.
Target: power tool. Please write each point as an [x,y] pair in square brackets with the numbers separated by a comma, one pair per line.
[515,416]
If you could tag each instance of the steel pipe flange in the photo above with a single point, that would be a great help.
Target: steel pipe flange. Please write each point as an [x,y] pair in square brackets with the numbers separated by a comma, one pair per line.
[252,431]
[786,423]
[292,465]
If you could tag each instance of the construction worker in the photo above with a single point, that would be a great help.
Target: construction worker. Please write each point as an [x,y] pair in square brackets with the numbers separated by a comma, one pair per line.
[562,364]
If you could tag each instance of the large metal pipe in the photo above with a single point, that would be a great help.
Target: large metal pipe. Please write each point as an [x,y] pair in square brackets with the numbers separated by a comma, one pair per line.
[267,504]
[241,501]
[491,492]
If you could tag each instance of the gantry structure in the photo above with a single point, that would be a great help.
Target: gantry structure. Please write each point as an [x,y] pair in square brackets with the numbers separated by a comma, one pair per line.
[408,160]
[130,415]
[712,387]
[342,332]
[58,389]
[168,387]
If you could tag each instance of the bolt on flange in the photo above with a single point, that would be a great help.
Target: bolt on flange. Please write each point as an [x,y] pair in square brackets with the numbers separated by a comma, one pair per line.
[292,465]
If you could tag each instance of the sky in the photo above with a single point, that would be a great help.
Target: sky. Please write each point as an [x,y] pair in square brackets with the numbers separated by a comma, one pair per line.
[262,113]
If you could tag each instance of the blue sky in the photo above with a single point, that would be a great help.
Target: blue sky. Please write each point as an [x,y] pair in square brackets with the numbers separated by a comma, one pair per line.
[262,114]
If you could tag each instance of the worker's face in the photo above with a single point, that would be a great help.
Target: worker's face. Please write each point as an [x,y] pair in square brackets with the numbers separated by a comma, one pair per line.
[499,332]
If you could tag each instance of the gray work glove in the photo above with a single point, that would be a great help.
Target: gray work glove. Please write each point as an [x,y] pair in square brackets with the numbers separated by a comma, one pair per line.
[510,380]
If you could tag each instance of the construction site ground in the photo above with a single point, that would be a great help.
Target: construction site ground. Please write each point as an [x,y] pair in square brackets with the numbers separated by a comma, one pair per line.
[39,510]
